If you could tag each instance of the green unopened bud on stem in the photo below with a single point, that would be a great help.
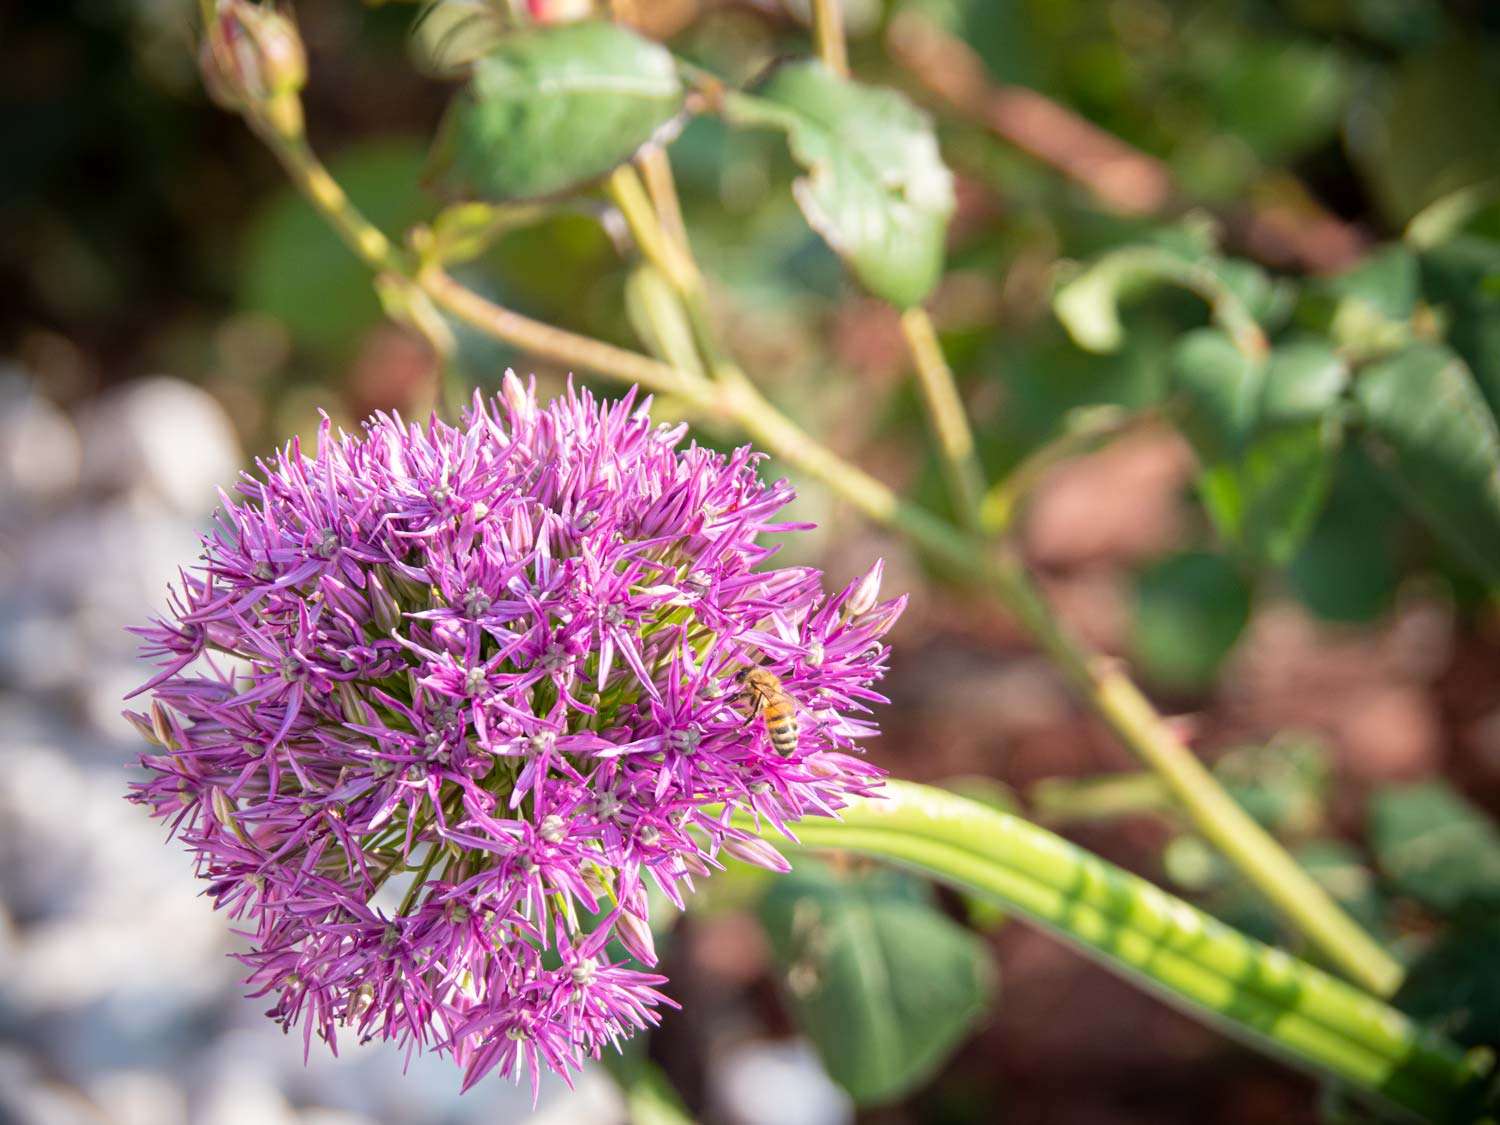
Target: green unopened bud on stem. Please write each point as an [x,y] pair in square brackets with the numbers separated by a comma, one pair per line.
[253,62]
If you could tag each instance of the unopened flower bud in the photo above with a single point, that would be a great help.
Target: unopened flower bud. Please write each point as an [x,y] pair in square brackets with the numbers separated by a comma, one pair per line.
[757,851]
[224,812]
[634,933]
[161,725]
[252,58]
[387,612]
[866,591]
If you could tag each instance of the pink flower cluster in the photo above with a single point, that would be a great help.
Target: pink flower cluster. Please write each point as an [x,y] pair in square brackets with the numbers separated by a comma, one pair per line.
[441,701]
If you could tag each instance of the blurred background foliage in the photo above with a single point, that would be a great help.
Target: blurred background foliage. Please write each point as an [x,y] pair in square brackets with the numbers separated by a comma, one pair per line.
[1297,553]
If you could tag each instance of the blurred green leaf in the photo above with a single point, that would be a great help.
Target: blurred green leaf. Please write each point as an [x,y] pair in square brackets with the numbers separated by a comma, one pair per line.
[1431,130]
[550,108]
[1278,97]
[1223,387]
[1187,612]
[1304,380]
[876,187]
[448,35]
[1455,985]
[298,271]
[1462,277]
[1388,281]
[1265,433]
[1435,847]
[883,984]
[1367,310]
[1429,427]
[1282,784]
[1346,568]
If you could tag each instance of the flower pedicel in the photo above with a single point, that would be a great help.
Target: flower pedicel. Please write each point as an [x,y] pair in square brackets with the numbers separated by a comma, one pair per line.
[441,701]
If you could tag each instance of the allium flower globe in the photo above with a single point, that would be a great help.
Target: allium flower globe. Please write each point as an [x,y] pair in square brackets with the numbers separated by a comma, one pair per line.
[441,701]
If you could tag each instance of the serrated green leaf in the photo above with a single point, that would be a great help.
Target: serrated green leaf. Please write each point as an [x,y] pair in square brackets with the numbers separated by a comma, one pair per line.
[1435,847]
[1187,612]
[883,984]
[550,108]
[1428,426]
[876,187]
[1223,389]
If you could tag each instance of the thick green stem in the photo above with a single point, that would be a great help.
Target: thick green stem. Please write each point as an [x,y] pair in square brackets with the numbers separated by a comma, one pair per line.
[1251,990]
[1263,861]
[733,398]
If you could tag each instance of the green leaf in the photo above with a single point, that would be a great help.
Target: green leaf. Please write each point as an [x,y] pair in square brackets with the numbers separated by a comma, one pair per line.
[876,187]
[1223,389]
[1435,847]
[1426,128]
[554,107]
[298,271]
[1455,985]
[1304,380]
[1428,426]
[1263,432]
[1346,568]
[883,984]
[1186,615]
[1387,282]
[1261,995]
[1462,277]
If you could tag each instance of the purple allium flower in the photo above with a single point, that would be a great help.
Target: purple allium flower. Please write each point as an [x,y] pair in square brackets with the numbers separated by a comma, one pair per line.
[441,702]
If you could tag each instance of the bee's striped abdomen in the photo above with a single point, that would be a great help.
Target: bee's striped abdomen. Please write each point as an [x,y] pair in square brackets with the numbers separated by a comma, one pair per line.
[781,725]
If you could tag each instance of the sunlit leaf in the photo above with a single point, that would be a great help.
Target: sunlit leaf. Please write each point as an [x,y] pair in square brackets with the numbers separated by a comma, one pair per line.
[883,984]
[1436,847]
[1429,427]
[550,108]
[876,187]
[1304,379]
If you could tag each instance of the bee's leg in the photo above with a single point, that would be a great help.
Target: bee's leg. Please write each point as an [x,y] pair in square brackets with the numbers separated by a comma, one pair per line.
[750,704]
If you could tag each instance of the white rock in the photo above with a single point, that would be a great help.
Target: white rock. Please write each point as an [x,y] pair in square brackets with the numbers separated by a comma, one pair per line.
[242,1094]
[139,1097]
[164,436]
[761,1082]
[39,449]
[26,1098]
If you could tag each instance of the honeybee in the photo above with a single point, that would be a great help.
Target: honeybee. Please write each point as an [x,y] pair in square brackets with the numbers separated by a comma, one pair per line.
[762,694]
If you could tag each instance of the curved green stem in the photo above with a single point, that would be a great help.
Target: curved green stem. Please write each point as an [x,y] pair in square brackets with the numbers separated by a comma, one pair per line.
[946,416]
[1215,973]
[1087,304]
[828,35]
